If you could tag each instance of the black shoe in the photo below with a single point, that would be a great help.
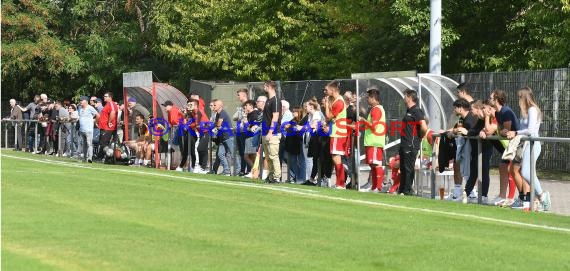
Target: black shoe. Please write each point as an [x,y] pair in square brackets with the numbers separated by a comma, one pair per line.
[89,161]
[241,174]
[309,183]
[211,172]
[271,181]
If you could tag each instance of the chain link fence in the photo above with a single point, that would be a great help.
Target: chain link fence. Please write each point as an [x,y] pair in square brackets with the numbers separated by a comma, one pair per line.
[552,91]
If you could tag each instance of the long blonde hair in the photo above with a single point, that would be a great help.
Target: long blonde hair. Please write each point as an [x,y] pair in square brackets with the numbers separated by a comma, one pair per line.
[526,101]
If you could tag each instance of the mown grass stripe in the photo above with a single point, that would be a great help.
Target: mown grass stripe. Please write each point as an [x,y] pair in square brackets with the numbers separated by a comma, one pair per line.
[304,193]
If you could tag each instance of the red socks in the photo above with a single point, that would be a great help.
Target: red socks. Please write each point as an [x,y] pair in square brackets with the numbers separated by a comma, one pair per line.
[339,170]
[396,179]
[373,177]
[376,176]
[379,172]
[512,187]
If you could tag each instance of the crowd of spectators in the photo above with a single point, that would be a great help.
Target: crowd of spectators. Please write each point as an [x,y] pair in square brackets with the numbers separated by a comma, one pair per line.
[313,139]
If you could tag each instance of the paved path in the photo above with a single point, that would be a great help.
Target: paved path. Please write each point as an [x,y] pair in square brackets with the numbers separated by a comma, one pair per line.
[559,191]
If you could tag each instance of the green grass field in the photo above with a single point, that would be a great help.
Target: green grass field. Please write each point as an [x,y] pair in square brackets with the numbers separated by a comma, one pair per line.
[58,214]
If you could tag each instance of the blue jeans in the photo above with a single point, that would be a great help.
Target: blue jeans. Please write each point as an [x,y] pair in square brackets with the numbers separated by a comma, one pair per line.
[526,163]
[87,145]
[297,166]
[224,154]
[239,155]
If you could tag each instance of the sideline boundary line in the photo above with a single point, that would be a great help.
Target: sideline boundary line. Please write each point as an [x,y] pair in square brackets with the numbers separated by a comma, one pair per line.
[302,192]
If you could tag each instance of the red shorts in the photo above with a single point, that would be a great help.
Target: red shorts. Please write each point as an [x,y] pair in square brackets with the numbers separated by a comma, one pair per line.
[374,155]
[339,146]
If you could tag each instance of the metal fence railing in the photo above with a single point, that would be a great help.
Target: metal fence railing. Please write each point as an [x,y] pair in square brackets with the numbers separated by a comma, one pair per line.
[552,91]
[33,136]
[533,170]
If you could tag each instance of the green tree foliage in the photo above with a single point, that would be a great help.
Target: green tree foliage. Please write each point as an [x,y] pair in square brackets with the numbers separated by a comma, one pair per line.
[247,40]
[33,55]
[72,47]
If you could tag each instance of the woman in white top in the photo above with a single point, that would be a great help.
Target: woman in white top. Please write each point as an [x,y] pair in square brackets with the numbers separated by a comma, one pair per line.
[531,117]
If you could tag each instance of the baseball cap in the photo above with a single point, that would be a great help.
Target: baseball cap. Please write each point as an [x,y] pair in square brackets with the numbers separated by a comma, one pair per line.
[132,100]
[167,103]
[84,98]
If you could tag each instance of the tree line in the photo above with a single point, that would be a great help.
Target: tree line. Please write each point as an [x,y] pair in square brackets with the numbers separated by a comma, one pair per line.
[69,48]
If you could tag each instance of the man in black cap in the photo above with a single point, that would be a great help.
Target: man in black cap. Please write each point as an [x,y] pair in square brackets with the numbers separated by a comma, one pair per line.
[174,113]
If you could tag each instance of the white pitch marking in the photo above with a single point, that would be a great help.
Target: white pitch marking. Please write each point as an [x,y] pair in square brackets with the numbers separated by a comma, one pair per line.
[307,193]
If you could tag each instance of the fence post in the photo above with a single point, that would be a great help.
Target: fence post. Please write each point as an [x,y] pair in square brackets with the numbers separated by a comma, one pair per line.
[36,137]
[532,173]
[16,135]
[59,130]
[210,145]
[479,171]
[432,171]
[168,153]
[6,135]
[25,135]
[72,148]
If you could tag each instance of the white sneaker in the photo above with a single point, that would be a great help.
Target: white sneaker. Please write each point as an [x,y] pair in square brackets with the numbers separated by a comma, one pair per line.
[498,201]
[453,197]
[485,200]
[340,187]
[508,203]
[179,169]
[249,175]
[472,200]
[464,198]
[473,193]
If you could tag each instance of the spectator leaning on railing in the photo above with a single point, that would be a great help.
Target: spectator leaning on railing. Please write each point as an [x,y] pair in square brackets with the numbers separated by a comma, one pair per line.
[16,116]
[531,116]
[30,114]
[506,121]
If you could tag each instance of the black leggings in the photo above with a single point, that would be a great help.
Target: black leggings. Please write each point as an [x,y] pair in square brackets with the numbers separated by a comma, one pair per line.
[203,150]
[187,146]
[105,138]
[324,160]
[407,169]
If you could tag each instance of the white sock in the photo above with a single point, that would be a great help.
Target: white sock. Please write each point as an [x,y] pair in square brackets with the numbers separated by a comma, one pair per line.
[145,162]
[137,161]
